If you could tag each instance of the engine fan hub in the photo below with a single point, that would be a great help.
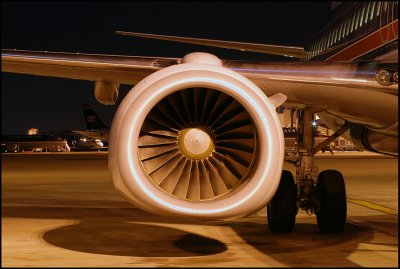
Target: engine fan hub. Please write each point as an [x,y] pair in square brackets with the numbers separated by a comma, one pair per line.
[195,143]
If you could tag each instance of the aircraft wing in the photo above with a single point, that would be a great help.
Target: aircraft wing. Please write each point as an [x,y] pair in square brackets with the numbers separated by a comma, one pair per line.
[349,91]
[110,68]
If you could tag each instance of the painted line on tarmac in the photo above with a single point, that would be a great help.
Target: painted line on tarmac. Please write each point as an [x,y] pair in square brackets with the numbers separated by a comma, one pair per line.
[374,206]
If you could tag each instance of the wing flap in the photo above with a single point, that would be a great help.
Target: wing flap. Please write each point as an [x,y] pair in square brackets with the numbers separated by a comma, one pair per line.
[287,51]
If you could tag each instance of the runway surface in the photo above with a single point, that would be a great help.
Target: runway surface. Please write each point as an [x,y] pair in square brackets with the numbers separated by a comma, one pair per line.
[61,210]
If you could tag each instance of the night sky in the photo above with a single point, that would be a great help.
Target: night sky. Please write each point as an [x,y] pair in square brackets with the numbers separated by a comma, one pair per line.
[88,27]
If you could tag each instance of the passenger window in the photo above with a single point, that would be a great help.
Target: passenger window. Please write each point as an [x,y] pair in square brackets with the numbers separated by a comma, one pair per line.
[372,11]
[357,19]
[362,17]
[339,32]
[334,36]
[378,8]
[352,22]
[367,13]
[325,41]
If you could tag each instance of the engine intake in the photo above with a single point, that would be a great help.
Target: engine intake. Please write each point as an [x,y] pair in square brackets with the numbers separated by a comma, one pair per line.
[197,144]
[197,140]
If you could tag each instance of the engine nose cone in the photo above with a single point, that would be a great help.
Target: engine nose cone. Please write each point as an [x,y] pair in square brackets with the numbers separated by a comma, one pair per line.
[195,143]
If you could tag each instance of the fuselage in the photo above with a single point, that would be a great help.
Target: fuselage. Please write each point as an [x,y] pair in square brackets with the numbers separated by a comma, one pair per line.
[358,31]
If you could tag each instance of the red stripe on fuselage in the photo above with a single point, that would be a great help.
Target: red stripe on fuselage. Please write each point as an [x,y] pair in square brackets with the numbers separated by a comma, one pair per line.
[369,43]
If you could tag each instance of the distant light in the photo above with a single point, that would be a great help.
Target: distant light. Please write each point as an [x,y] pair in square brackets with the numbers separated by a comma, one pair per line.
[314,123]
[33,131]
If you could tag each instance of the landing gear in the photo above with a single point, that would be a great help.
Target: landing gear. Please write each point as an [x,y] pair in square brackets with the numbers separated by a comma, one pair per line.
[331,216]
[322,194]
[282,209]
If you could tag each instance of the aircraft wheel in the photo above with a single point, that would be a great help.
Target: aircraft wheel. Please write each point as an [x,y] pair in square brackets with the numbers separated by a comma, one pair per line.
[332,216]
[282,209]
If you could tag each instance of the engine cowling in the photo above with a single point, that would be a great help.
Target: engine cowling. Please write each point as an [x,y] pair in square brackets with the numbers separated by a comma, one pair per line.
[197,140]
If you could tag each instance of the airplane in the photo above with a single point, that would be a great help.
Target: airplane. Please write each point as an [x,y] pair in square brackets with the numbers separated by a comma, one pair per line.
[85,144]
[96,129]
[199,137]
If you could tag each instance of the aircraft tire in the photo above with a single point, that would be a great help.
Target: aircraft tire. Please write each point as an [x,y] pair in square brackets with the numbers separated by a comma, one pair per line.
[331,217]
[282,209]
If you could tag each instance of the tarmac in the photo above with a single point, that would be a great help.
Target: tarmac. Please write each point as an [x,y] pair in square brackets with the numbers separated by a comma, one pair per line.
[62,210]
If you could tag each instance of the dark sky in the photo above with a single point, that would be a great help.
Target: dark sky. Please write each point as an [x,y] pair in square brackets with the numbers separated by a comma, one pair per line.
[88,27]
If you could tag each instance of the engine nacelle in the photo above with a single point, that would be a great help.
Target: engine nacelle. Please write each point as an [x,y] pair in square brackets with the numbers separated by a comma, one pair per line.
[373,141]
[197,140]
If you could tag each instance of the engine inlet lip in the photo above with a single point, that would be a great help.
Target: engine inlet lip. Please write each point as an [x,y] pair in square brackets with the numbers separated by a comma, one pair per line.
[247,197]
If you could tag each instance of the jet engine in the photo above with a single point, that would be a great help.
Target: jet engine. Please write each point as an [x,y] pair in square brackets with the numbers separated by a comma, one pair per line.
[197,140]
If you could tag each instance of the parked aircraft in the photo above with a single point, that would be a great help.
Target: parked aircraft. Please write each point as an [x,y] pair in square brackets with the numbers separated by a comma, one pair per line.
[199,137]
[85,144]
[96,129]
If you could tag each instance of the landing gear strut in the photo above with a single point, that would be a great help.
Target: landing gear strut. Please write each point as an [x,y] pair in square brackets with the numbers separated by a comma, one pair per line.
[322,194]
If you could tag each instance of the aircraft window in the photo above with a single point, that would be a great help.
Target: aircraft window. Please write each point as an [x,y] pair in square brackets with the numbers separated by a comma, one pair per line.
[372,11]
[341,30]
[378,8]
[357,18]
[322,44]
[348,26]
[362,17]
[352,22]
[338,32]
[325,41]
[335,34]
[367,13]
